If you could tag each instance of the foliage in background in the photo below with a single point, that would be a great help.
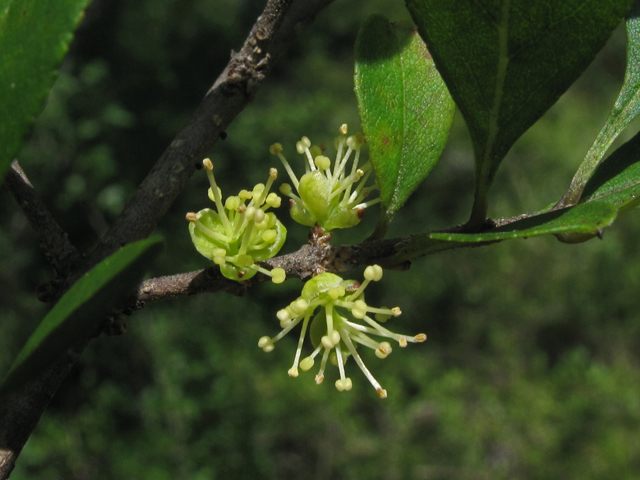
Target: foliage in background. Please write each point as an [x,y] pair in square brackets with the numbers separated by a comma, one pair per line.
[531,367]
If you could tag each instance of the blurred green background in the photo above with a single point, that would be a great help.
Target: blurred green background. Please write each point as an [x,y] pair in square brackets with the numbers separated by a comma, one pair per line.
[531,369]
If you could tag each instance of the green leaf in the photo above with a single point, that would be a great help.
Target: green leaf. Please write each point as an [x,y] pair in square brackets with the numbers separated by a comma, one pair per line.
[506,62]
[617,179]
[624,111]
[34,36]
[588,220]
[82,309]
[405,109]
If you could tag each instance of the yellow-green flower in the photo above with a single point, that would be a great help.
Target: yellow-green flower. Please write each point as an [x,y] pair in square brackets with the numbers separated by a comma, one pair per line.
[343,322]
[241,231]
[330,196]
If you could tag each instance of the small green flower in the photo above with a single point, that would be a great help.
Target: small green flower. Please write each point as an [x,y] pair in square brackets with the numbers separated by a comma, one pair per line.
[343,323]
[239,233]
[331,198]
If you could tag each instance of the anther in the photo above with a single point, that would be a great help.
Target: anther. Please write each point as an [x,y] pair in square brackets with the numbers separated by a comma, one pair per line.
[322,162]
[315,151]
[219,252]
[299,306]
[306,363]
[285,189]
[283,315]
[258,216]
[273,200]
[232,203]
[266,344]
[303,144]
[250,212]
[269,236]
[275,149]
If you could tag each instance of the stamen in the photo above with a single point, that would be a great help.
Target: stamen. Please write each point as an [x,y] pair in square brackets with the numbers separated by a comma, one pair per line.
[339,158]
[289,193]
[287,167]
[246,238]
[315,352]
[210,233]
[359,291]
[329,315]
[241,220]
[208,166]
[342,186]
[360,337]
[354,353]
[338,171]
[340,362]
[259,246]
[312,164]
[286,330]
[273,174]
[356,157]
[381,311]
[323,364]
[387,333]
[357,196]
[368,204]
[300,342]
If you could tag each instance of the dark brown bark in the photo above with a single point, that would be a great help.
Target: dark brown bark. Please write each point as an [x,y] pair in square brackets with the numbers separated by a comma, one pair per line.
[60,253]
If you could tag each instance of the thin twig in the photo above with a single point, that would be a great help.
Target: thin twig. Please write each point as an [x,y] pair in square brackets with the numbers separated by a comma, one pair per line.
[54,243]
[303,264]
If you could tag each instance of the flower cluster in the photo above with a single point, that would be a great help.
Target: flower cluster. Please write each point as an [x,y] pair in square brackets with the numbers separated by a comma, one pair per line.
[329,197]
[332,311]
[241,231]
[342,323]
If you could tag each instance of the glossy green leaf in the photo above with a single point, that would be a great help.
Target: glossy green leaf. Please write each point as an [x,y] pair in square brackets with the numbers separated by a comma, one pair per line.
[82,309]
[34,37]
[624,111]
[617,179]
[506,62]
[405,108]
[588,220]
